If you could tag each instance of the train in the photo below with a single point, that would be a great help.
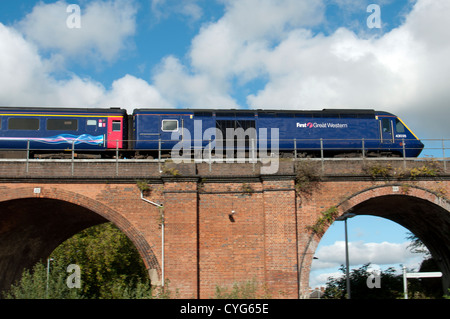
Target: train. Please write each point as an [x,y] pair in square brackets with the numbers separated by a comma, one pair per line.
[55,132]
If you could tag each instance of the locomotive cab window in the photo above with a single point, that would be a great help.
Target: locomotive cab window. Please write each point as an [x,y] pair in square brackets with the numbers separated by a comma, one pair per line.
[20,123]
[399,126]
[169,125]
[386,125]
[62,125]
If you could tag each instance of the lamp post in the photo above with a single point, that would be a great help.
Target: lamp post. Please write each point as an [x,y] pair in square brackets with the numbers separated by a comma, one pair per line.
[48,274]
[347,262]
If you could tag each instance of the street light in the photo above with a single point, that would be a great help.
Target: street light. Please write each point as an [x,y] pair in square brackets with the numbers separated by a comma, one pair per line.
[48,273]
[347,275]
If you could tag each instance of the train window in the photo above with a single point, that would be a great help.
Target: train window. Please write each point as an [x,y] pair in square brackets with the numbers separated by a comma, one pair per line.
[399,126]
[205,114]
[225,114]
[386,125]
[169,125]
[245,114]
[20,123]
[267,114]
[62,125]
[116,126]
[285,115]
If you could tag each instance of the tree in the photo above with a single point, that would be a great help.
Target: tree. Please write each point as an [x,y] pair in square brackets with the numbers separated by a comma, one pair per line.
[417,246]
[424,287]
[35,284]
[108,260]
[111,268]
[391,285]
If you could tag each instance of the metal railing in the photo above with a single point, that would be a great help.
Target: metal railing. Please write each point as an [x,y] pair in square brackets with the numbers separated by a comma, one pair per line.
[250,150]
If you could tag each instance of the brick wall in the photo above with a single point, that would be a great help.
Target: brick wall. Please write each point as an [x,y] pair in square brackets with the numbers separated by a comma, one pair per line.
[266,240]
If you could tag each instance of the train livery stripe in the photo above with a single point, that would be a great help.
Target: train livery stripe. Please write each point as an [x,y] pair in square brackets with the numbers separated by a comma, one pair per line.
[60,139]
[408,128]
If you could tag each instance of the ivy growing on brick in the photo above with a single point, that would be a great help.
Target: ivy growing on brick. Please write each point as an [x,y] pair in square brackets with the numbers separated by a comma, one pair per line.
[327,218]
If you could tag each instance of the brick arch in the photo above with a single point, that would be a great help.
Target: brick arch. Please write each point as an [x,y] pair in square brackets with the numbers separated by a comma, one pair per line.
[392,190]
[422,211]
[92,212]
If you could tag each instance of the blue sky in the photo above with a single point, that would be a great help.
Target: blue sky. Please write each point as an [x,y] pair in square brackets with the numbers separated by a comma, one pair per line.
[282,54]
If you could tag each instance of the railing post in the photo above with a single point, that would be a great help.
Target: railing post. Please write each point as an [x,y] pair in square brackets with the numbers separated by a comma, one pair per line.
[295,148]
[209,155]
[404,153]
[159,154]
[253,159]
[321,148]
[117,157]
[443,155]
[321,154]
[73,156]
[28,156]
[363,149]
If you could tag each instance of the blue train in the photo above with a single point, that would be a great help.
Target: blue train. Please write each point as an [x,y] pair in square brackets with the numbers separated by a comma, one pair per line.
[327,132]
[105,132]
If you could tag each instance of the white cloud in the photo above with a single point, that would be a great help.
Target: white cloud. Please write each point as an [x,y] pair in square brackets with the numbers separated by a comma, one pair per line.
[26,80]
[234,47]
[105,28]
[130,92]
[384,253]
[191,90]
[380,255]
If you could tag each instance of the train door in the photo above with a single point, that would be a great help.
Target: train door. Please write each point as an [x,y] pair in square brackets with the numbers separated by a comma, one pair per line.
[387,135]
[115,132]
[169,125]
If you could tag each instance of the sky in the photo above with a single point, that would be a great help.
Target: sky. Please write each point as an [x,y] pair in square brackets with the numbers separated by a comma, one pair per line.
[244,54]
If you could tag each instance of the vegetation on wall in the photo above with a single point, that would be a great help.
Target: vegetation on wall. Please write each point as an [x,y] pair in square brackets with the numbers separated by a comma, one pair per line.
[326,219]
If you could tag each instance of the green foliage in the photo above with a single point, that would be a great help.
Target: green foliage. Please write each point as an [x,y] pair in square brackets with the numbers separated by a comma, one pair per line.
[307,177]
[143,186]
[416,246]
[376,170]
[111,268]
[34,285]
[379,170]
[424,170]
[247,189]
[325,220]
[391,285]
[245,290]
[170,170]
[107,259]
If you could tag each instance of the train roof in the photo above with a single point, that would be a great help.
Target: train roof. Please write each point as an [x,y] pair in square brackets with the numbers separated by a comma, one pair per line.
[267,112]
[255,110]
[201,111]
[62,109]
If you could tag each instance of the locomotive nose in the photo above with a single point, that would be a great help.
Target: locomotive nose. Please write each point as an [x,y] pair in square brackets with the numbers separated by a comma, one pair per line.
[419,146]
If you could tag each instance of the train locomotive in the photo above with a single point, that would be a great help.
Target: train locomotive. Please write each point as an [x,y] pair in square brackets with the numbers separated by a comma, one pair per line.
[103,133]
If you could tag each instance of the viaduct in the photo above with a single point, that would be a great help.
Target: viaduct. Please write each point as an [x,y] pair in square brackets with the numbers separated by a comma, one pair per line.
[204,225]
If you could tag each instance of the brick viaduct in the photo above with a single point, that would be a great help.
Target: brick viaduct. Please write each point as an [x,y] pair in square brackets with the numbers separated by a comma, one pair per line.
[223,223]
